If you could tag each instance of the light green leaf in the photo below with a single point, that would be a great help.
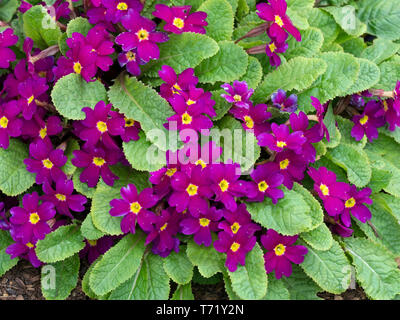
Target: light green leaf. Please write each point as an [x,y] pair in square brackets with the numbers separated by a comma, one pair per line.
[368,76]
[345,17]
[355,46]
[6,263]
[325,22]
[80,25]
[89,231]
[178,266]
[379,179]
[221,106]
[300,286]
[66,277]
[118,264]
[69,168]
[390,71]
[60,244]
[319,238]
[14,178]
[310,44]
[380,51]
[71,93]
[7,9]
[253,74]
[183,292]
[276,289]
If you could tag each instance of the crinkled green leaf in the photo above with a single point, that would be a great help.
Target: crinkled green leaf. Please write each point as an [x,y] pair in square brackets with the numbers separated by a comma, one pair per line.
[71,93]
[118,264]
[310,44]
[368,76]
[300,286]
[298,20]
[14,178]
[221,106]
[394,134]
[6,263]
[60,244]
[80,25]
[355,46]
[250,281]
[393,203]
[345,17]
[380,51]
[230,63]
[89,231]
[253,74]
[276,289]
[319,238]
[183,292]
[389,75]
[66,277]
[178,266]
[7,9]
[380,179]
[325,22]
[376,268]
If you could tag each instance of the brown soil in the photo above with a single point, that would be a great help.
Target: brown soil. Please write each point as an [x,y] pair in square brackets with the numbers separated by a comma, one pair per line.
[23,283]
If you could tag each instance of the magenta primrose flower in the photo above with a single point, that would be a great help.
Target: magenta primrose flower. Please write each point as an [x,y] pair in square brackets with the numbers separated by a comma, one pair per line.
[7,39]
[95,248]
[284,103]
[291,166]
[116,9]
[239,220]
[38,129]
[31,90]
[354,205]
[131,128]
[10,125]
[275,11]
[31,220]
[45,162]
[368,122]
[133,207]
[179,20]
[100,45]
[281,253]
[142,35]
[272,49]
[175,84]
[24,250]
[391,113]
[238,94]
[320,115]
[132,61]
[254,118]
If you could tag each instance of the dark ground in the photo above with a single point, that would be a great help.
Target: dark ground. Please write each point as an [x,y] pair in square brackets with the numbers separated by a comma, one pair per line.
[23,283]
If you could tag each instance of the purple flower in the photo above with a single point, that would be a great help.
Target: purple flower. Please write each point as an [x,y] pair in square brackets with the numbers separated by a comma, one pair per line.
[396,96]
[175,84]
[62,197]
[338,228]
[30,222]
[239,220]
[254,118]
[99,126]
[281,139]
[202,226]
[133,207]
[14,79]
[283,103]
[7,39]
[235,246]
[96,163]
[391,113]
[131,128]
[100,45]
[266,179]
[323,131]
[202,156]
[238,94]
[46,162]
[354,205]
[273,48]
[116,9]
[291,166]
[275,11]
[190,191]
[142,35]
[94,248]
[179,20]
[132,61]
[197,98]
[29,91]
[10,125]
[368,122]
[24,250]
[42,130]
[281,253]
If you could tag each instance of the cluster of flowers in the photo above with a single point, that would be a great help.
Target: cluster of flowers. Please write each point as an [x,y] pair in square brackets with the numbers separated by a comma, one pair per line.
[375,114]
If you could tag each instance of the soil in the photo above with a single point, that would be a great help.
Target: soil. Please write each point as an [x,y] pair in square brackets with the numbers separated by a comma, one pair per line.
[23,283]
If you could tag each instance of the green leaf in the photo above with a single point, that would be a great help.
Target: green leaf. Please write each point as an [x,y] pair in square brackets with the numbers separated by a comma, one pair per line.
[6,263]
[354,161]
[319,238]
[290,216]
[207,259]
[253,74]
[14,178]
[390,71]
[355,46]
[368,76]
[300,286]
[394,134]
[41,27]
[325,22]
[69,168]
[228,287]
[329,269]
[85,281]
[276,289]
[310,44]
[376,268]
[239,145]
[379,179]
[221,106]
[299,74]
[150,282]
[178,266]
[80,25]
[143,104]
[382,17]
[66,274]
[89,231]
[62,43]
[118,264]
[183,292]
[330,122]
[380,51]
[250,281]
[60,244]
[230,63]
[345,17]
[7,9]
[220,19]
[393,203]
[183,51]
[143,155]
[71,93]
[299,21]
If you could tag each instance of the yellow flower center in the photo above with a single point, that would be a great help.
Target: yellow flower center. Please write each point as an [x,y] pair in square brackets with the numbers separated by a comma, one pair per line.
[280,249]
[3,122]
[350,203]
[281,144]
[101,126]
[190,102]
[47,163]
[122,6]
[131,56]
[263,186]
[385,106]
[42,74]
[43,132]
[272,47]
[98,161]
[61,197]
[237,98]
[34,218]
[30,99]
[170,172]
[164,226]
[92,243]
[235,227]
[29,245]
[204,222]
[186,118]
[77,68]
[235,246]
[324,189]
[201,163]
[179,23]
[249,122]
[135,207]
[223,185]
[192,189]
[142,35]
[278,21]
[284,164]
[129,122]
[364,120]
[177,87]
